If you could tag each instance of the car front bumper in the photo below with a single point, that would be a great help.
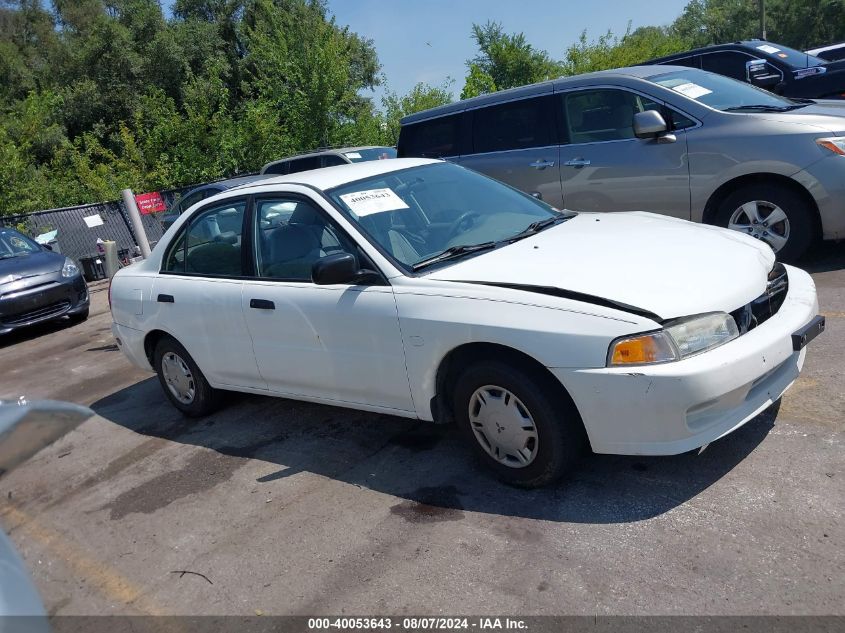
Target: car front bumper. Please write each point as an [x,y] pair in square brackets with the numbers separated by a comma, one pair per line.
[676,407]
[42,299]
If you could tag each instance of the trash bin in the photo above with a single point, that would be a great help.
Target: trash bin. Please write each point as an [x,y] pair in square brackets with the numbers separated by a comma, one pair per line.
[92,268]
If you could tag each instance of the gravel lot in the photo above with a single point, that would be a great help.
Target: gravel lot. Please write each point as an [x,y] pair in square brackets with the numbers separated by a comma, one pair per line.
[293,508]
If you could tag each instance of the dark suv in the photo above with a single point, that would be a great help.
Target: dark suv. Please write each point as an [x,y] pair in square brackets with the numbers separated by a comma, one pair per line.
[778,68]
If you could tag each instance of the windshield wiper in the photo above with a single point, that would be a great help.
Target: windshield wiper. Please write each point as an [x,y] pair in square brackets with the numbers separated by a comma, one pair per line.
[539,225]
[764,108]
[453,252]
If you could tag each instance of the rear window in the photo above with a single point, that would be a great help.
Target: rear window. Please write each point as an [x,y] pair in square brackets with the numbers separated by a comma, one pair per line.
[277,168]
[435,138]
[514,125]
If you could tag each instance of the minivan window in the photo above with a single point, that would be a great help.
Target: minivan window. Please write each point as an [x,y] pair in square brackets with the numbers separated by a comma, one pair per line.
[280,168]
[605,114]
[727,63]
[434,138]
[304,164]
[331,160]
[515,125]
[719,92]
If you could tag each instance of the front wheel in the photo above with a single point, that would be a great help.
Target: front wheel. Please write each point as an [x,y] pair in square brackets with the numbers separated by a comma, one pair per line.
[183,382]
[518,423]
[772,213]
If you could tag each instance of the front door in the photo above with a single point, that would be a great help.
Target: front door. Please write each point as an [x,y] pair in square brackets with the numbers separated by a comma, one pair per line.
[339,342]
[604,167]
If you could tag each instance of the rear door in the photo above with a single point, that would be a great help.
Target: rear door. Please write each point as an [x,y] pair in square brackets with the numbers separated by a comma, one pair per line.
[197,295]
[604,167]
[515,142]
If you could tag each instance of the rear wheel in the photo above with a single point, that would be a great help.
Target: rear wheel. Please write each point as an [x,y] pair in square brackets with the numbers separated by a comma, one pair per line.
[518,423]
[772,213]
[183,382]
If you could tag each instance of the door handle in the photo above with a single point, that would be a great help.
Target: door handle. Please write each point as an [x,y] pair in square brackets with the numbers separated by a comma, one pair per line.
[577,162]
[165,299]
[542,164]
[262,304]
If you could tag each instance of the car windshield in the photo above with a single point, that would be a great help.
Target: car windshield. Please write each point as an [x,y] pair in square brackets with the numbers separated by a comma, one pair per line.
[14,244]
[433,212]
[720,92]
[372,153]
[790,56]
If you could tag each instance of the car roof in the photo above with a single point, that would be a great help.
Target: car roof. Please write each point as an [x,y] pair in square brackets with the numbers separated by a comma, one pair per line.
[223,185]
[329,177]
[746,44]
[520,92]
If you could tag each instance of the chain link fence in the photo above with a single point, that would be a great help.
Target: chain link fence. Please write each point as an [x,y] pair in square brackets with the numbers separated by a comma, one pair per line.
[108,221]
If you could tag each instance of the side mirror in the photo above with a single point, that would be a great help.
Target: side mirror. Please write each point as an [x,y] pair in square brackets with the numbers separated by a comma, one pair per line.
[47,247]
[649,124]
[337,268]
[762,74]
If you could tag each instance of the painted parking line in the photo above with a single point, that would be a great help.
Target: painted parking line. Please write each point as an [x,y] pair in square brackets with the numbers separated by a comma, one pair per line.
[107,581]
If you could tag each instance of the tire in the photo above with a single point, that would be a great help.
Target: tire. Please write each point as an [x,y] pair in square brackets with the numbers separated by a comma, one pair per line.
[799,226]
[79,317]
[178,373]
[559,439]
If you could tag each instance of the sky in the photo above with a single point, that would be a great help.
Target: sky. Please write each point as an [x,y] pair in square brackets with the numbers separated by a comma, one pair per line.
[430,40]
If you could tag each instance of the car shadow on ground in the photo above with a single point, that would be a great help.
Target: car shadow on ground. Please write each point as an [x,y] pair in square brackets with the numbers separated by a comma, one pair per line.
[825,257]
[426,466]
[35,331]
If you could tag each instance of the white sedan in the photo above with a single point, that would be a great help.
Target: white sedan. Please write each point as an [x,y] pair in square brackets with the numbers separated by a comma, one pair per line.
[425,290]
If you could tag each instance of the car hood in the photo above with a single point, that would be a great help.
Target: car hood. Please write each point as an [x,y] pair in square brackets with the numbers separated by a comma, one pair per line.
[826,114]
[42,263]
[658,265]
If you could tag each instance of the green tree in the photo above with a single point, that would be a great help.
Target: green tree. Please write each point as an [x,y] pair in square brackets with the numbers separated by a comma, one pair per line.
[421,97]
[505,61]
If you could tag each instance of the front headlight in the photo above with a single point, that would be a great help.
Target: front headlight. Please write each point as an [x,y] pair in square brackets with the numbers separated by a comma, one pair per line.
[679,339]
[69,269]
[835,144]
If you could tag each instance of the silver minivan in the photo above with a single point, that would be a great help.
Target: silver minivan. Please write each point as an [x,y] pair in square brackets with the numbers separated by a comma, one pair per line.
[668,139]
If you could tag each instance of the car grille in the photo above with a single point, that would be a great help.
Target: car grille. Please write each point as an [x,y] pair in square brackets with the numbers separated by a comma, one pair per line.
[766,305]
[41,313]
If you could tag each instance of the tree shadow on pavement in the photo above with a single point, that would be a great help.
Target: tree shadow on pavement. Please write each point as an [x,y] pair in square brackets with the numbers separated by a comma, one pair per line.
[426,466]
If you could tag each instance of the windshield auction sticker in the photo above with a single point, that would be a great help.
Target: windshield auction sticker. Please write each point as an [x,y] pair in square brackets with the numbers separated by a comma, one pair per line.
[691,90]
[363,203]
[767,48]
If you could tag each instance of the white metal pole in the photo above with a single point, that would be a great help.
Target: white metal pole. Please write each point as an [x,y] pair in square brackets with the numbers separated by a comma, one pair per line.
[135,216]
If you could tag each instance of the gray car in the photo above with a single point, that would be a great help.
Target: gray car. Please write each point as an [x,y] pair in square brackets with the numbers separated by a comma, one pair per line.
[672,140]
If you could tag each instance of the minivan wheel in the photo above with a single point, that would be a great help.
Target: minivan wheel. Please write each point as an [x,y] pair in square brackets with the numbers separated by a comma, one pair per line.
[182,381]
[518,423]
[772,213]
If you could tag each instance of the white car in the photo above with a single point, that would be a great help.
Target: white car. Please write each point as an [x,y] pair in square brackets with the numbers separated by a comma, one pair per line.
[425,290]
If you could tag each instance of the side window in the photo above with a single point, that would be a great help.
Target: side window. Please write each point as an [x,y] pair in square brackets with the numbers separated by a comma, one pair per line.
[212,243]
[174,261]
[726,63]
[604,114]
[431,139]
[280,168]
[514,125]
[304,164]
[690,62]
[290,235]
[331,160]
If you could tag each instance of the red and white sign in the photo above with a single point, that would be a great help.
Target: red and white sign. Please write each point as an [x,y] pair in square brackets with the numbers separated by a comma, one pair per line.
[150,203]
